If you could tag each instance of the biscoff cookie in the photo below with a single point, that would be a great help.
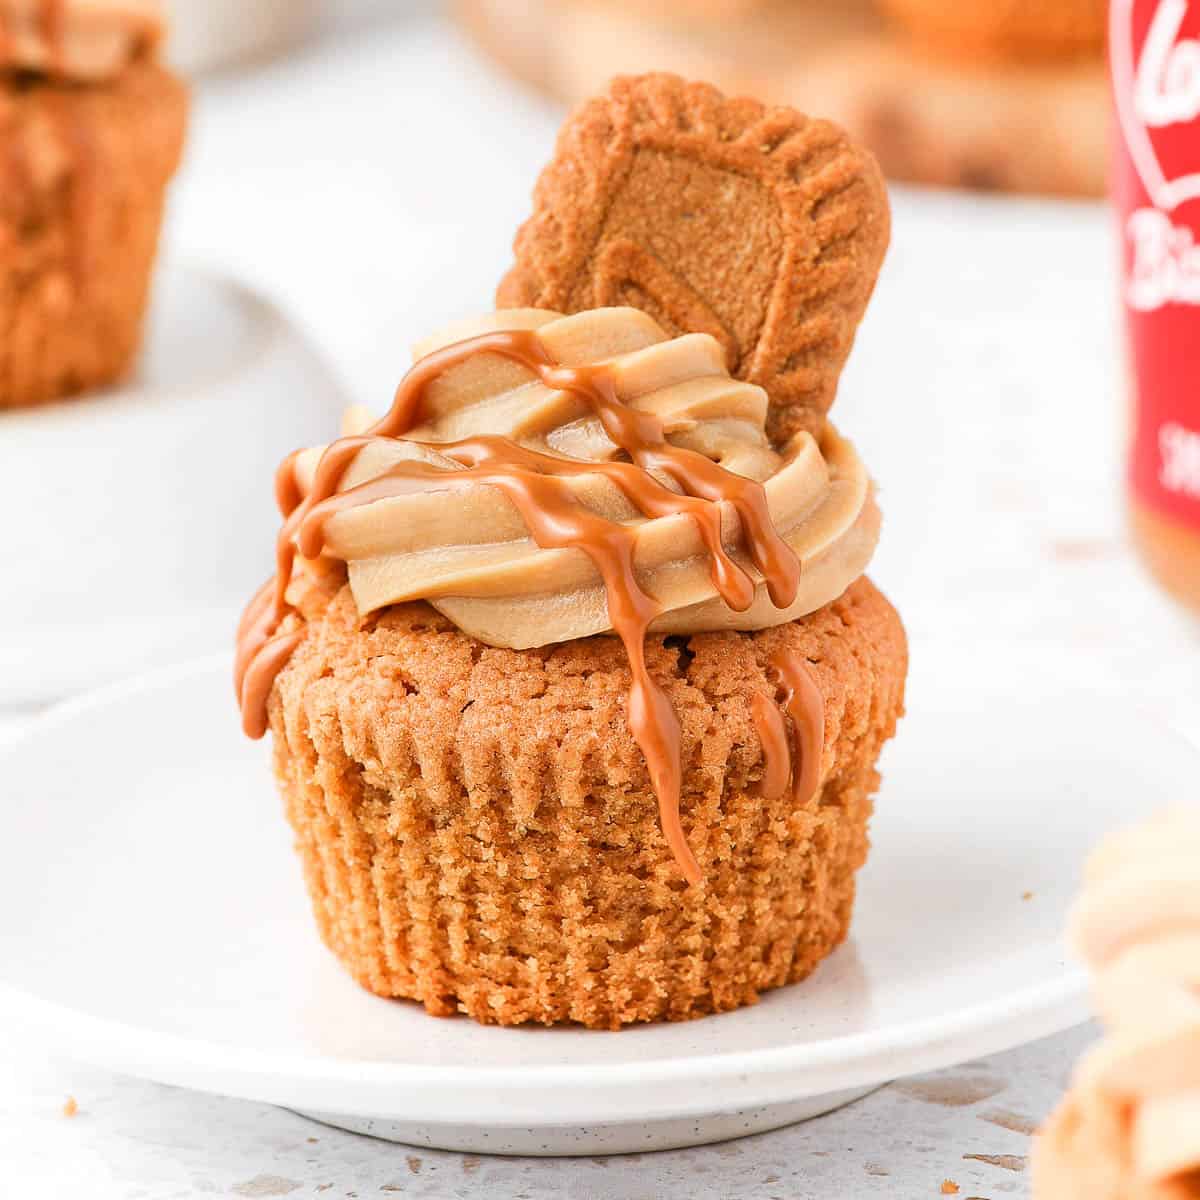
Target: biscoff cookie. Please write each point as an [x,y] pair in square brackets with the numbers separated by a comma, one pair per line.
[757,225]
[1016,29]
[479,831]
[88,144]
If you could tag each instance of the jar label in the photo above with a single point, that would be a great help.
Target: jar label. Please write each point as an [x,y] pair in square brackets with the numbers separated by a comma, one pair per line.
[1155,52]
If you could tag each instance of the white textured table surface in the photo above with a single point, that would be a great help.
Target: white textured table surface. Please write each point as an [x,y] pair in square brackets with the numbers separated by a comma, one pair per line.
[372,188]
[137,1141]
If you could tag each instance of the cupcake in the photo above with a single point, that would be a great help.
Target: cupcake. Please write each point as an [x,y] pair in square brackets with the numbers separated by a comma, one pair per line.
[575,684]
[91,131]
[1130,1127]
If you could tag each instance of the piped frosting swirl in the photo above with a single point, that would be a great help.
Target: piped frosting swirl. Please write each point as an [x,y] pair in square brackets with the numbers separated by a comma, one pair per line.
[466,548]
[1137,925]
[541,478]
[82,40]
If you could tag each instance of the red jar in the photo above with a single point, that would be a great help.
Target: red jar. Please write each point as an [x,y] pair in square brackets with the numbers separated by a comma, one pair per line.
[1154,47]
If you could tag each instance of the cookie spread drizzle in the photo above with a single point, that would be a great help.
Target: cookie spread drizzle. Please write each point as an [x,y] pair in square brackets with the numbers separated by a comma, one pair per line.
[538,486]
[795,757]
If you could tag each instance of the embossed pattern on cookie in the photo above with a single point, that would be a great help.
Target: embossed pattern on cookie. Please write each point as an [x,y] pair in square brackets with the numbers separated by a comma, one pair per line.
[756,225]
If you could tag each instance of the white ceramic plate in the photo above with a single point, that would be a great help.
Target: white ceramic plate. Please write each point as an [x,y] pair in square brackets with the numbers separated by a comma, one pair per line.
[137,520]
[152,920]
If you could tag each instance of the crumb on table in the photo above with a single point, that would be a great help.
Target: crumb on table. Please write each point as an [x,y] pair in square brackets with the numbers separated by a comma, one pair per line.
[949,1187]
[70,1107]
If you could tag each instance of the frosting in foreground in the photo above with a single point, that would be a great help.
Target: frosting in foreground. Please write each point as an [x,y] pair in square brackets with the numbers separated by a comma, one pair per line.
[1137,924]
[546,478]
[85,40]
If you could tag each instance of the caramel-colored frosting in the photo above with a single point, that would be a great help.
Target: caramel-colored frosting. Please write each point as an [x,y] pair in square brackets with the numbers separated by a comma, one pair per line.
[1137,925]
[83,40]
[541,478]
[466,548]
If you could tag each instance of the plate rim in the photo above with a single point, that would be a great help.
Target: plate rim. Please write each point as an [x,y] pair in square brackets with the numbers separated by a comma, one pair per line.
[582,1091]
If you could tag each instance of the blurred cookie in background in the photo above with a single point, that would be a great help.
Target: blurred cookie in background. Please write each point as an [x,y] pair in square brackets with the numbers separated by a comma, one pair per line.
[979,96]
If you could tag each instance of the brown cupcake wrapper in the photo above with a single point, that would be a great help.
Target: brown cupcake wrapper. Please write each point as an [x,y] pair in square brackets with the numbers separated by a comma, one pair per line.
[516,872]
[83,173]
[407,927]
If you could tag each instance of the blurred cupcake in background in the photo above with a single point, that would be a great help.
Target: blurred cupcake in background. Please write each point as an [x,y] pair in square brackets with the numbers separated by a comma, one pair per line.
[997,95]
[91,131]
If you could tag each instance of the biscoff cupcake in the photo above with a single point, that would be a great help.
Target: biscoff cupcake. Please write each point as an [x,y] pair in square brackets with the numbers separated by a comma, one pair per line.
[91,131]
[1130,1127]
[575,683]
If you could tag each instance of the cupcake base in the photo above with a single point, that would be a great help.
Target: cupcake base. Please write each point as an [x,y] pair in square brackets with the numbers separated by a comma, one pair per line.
[83,172]
[478,831]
